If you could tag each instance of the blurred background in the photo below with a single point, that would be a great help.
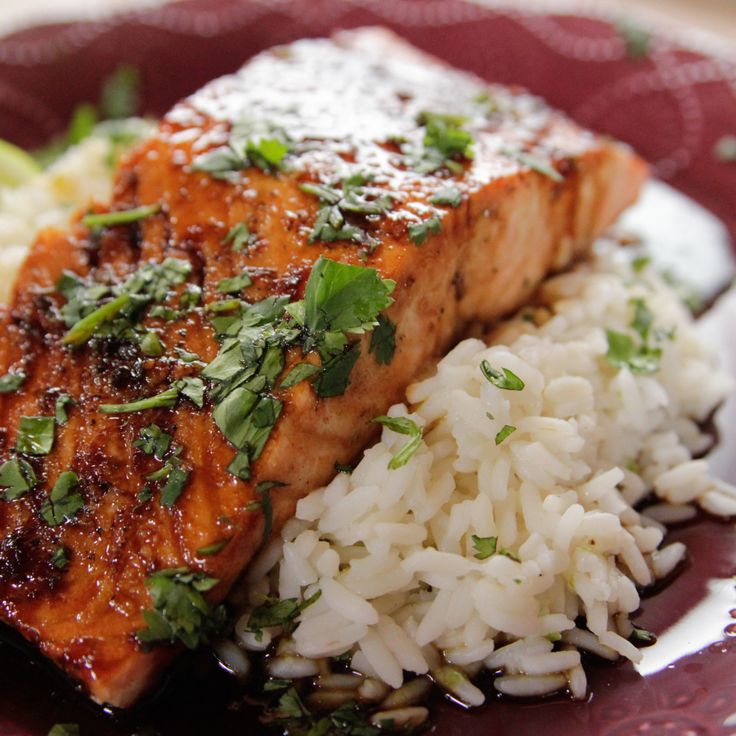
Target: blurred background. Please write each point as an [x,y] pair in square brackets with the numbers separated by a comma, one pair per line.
[718,16]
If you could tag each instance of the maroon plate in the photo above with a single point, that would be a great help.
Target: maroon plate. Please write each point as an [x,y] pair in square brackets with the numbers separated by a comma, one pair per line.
[673,104]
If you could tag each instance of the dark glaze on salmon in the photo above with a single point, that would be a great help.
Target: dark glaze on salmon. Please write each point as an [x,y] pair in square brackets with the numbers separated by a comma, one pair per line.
[349,104]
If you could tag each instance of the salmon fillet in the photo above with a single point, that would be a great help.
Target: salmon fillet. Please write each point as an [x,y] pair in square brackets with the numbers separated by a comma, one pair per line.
[357,150]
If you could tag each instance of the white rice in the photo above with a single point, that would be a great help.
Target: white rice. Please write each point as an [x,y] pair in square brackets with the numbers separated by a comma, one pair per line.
[391,550]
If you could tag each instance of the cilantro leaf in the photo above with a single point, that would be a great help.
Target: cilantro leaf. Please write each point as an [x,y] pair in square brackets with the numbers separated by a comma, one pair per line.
[505,431]
[240,237]
[64,729]
[643,318]
[335,376]
[420,231]
[235,284]
[279,612]
[35,435]
[174,486]
[120,97]
[63,505]
[344,298]
[531,161]
[447,197]
[153,441]
[11,382]
[383,340]
[63,401]
[180,612]
[484,546]
[213,549]
[624,352]
[60,558]
[165,400]
[504,379]
[402,425]
[17,477]
[445,141]
[299,373]
[193,389]
[121,217]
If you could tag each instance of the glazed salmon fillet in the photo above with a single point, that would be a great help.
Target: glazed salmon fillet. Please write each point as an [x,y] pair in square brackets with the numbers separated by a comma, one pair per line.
[292,246]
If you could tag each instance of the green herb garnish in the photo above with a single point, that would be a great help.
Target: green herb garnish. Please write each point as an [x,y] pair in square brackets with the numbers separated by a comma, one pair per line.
[213,549]
[623,352]
[174,486]
[153,441]
[447,197]
[299,373]
[642,635]
[180,612]
[639,263]
[240,237]
[16,477]
[484,546]
[63,504]
[504,379]
[120,97]
[402,425]
[60,558]
[505,431]
[86,315]
[445,142]
[534,163]
[35,435]
[420,231]
[11,382]
[635,38]
[122,217]
[278,612]
[61,407]
[165,400]
[383,341]
[235,284]
[336,205]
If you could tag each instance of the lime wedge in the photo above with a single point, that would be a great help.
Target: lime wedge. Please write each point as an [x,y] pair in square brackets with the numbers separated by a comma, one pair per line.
[16,166]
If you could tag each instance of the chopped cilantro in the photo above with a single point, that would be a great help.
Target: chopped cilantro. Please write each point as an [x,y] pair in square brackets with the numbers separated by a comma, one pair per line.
[240,237]
[35,435]
[151,344]
[266,153]
[505,431]
[278,612]
[193,389]
[63,402]
[86,315]
[643,636]
[186,357]
[153,441]
[504,378]
[640,263]
[643,318]
[16,477]
[174,486]
[340,468]
[11,382]
[402,425]
[508,553]
[164,400]
[383,340]
[354,198]
[299,373]
[335,375]
[624,352]
[445,141]
[235,284]
[62,504]
[121,217]
[213,549]
[447,197]
[180,612]
[60,558]
[534,163]
[484,546]
[420,231]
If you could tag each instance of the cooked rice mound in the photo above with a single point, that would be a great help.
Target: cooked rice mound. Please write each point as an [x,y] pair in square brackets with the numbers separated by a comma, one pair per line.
[393,551]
